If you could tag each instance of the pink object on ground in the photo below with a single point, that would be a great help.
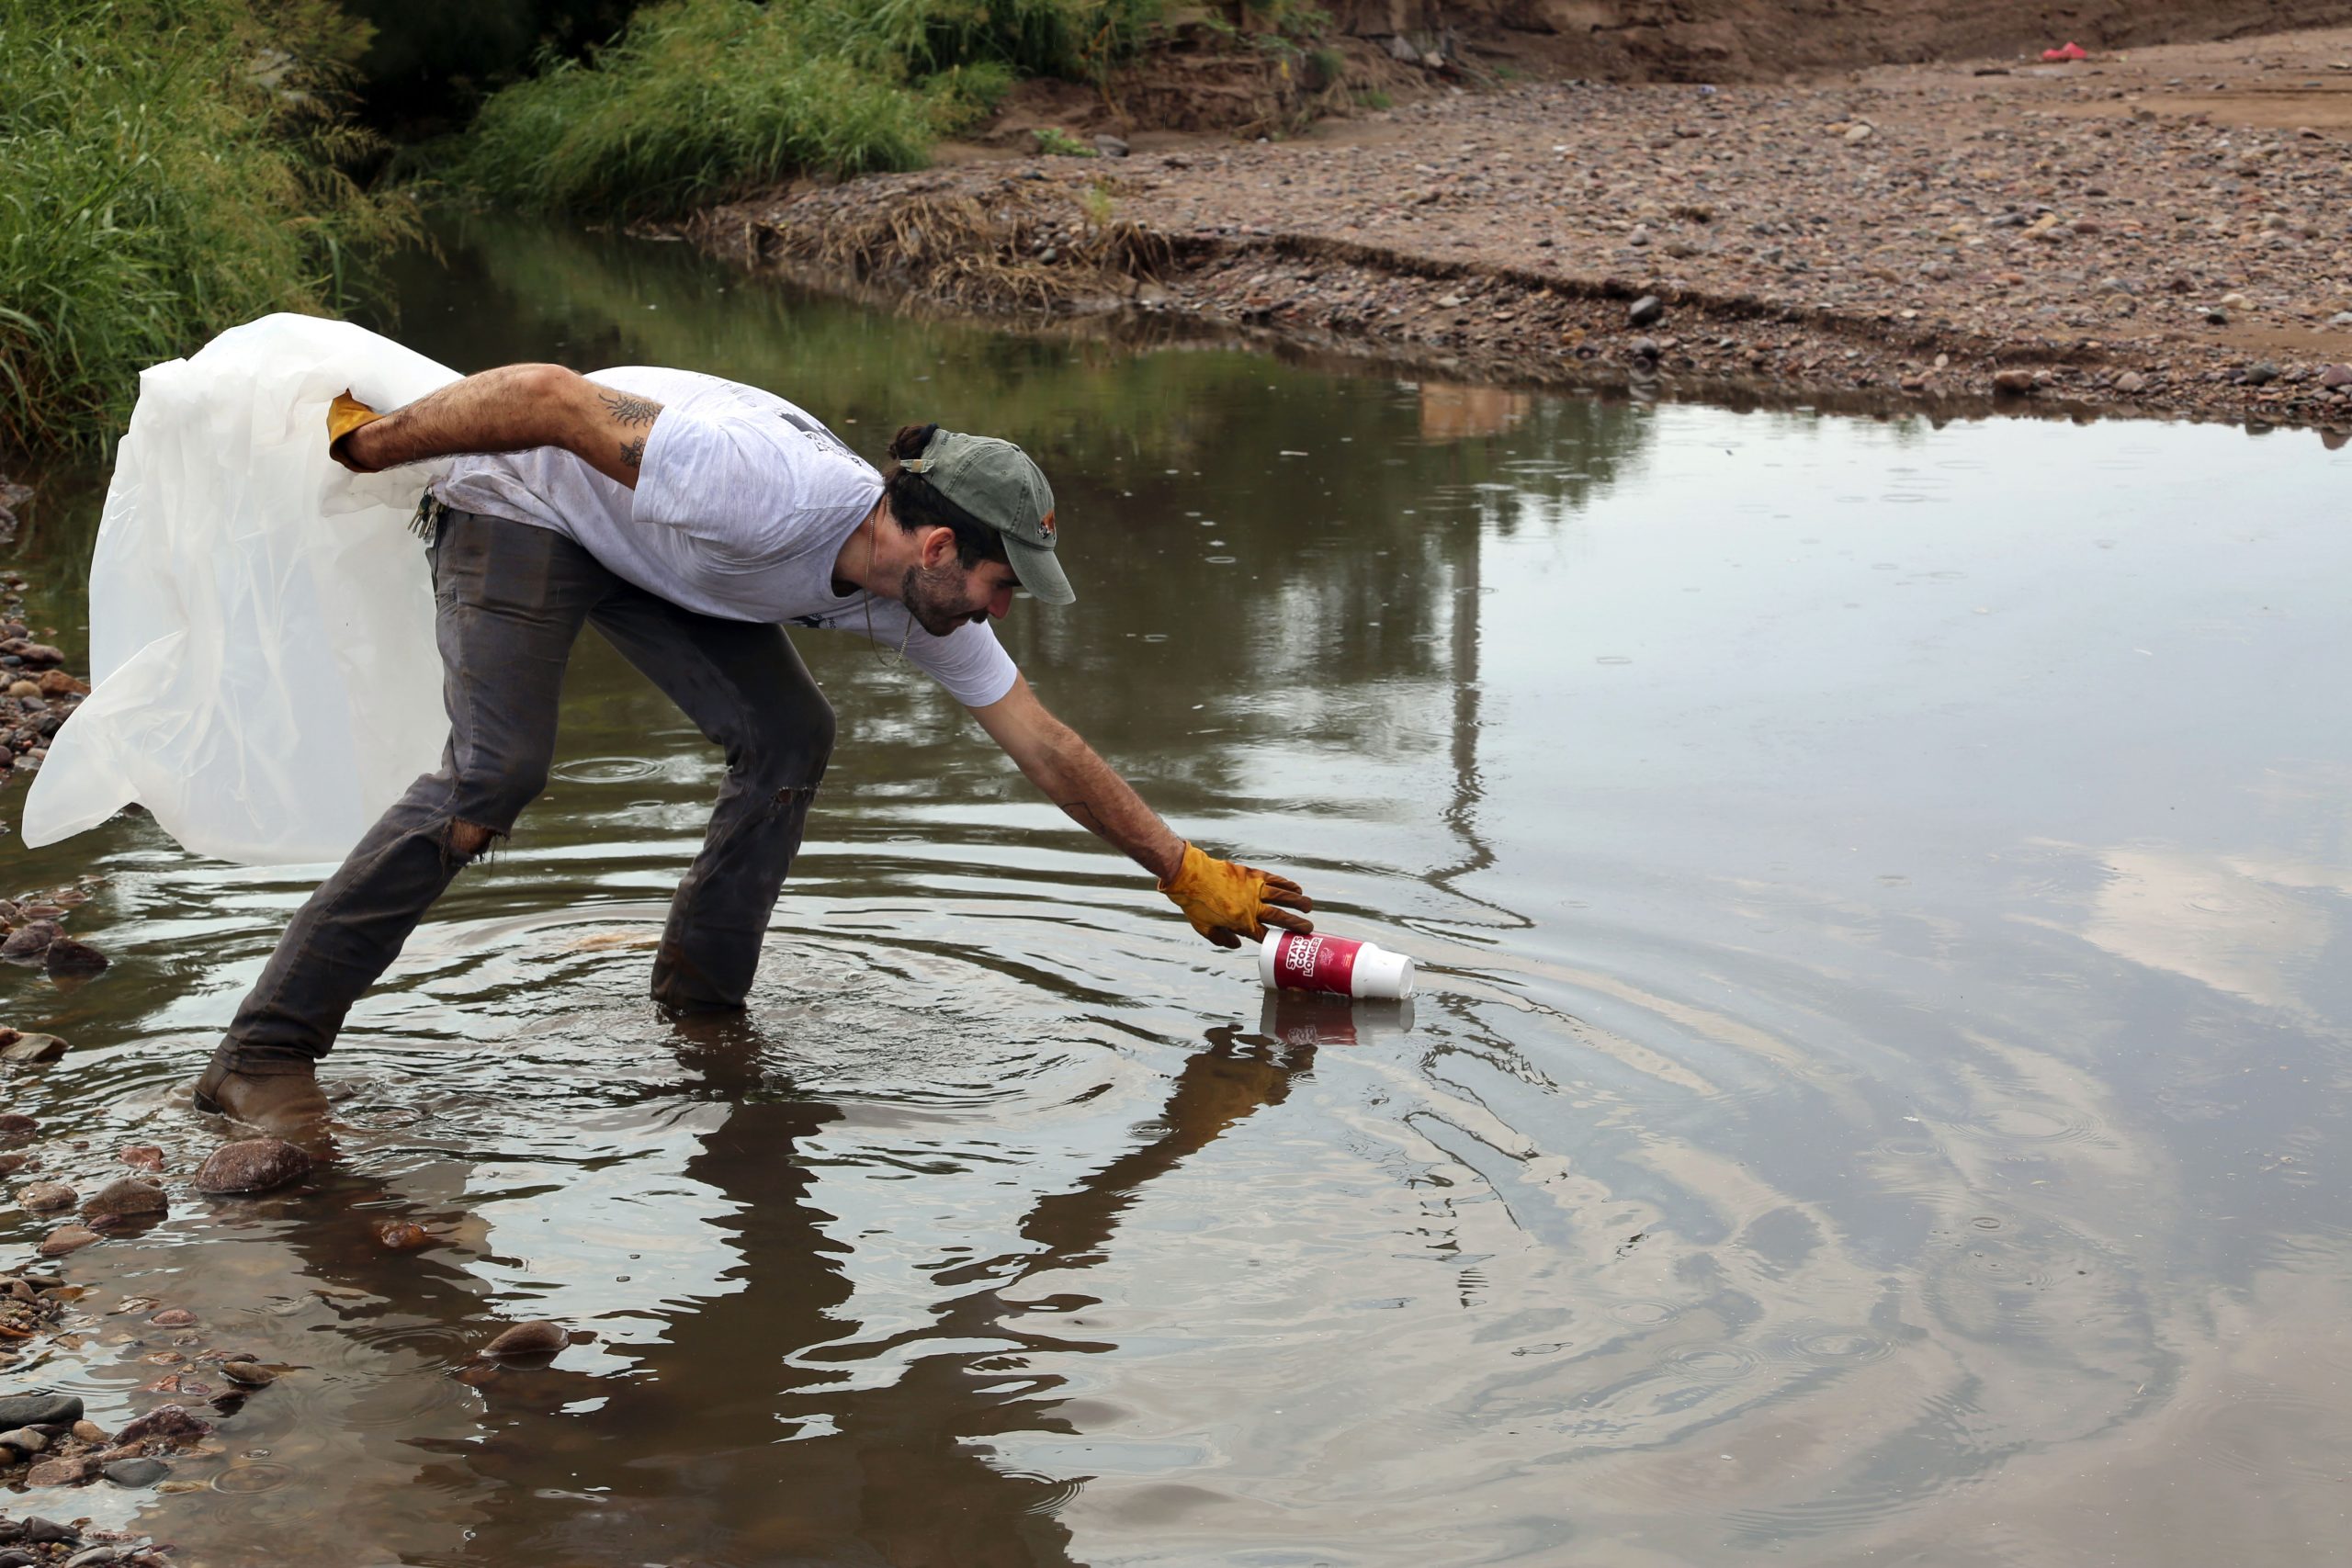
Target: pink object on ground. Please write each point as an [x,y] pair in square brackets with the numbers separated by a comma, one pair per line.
[2071,52]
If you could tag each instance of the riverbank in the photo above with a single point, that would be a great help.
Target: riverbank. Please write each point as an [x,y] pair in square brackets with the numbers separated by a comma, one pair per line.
[2161,234]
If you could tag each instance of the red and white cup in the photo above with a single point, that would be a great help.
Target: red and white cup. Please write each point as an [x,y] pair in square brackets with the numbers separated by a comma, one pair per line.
[1289,962]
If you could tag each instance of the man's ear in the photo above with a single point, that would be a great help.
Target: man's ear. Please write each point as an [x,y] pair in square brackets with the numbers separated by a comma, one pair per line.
[938,547]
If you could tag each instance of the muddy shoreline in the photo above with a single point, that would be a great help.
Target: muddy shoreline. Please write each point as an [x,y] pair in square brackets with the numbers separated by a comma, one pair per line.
[2158,235]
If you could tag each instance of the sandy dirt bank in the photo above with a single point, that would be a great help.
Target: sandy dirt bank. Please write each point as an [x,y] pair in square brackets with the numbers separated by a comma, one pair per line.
[2166,232]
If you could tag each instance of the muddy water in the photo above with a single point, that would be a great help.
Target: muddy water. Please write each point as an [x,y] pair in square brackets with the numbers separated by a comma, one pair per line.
[1878,1093]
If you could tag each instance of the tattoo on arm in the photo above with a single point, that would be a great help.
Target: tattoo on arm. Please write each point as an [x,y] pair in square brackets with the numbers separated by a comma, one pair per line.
[633,452]
[627,409]
[1081,813]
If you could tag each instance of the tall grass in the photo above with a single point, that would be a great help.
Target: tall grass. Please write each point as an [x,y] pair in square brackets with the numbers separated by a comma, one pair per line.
[703,99]
[169,168]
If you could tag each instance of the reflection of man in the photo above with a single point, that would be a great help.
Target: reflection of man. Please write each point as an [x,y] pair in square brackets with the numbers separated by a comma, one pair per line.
[684,516]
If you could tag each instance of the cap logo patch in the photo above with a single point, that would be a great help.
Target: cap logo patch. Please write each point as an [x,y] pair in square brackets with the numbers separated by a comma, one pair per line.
[1045,524]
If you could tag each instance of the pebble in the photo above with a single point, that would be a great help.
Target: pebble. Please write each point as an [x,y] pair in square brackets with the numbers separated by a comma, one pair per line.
[2013,380]
[1649,308]
[2261,375]
[2335,375]
[17,1122]
[1110,146]
[403,1235]
[2131,381]
[146,1157]
[252,1165]
[140,1471]
[91,1432]
[23,1440]
[38,1531]
[174,1317]
[125,1199]
[538,1337]
[68,1239]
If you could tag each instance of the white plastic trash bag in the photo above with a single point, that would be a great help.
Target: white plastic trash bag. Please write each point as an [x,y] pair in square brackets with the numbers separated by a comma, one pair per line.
[265,679]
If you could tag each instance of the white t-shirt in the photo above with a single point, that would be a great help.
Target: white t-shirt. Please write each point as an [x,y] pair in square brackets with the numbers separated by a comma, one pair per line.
[741,504]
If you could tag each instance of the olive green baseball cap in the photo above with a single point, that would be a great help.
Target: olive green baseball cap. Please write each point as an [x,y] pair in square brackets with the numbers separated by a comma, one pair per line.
[998,484]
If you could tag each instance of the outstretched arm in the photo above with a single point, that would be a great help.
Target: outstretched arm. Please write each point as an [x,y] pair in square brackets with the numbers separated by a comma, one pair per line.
[511,409]
[1225,902]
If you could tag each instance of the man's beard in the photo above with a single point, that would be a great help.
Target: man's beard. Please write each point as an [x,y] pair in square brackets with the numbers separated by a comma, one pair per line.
[934,597]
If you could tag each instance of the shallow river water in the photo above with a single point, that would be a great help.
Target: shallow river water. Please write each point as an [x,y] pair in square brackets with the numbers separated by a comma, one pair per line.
[1878,1093]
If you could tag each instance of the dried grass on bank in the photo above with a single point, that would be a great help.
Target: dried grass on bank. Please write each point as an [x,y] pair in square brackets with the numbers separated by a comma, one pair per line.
[1021,247]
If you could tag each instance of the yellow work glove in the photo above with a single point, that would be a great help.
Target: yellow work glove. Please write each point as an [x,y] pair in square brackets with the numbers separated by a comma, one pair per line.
[345,415]
[1225,901]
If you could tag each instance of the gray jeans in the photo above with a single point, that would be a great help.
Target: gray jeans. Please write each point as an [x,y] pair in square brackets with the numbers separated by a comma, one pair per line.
[511,599]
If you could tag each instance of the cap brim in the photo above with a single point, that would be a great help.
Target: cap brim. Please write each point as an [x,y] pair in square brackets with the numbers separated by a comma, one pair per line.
[1039,572]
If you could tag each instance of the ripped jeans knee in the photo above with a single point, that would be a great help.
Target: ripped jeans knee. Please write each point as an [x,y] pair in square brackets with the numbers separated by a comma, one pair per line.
[468,842]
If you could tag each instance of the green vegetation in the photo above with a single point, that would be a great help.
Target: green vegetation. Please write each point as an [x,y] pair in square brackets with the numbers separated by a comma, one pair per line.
[703,99]
[1056,142]
[173,167]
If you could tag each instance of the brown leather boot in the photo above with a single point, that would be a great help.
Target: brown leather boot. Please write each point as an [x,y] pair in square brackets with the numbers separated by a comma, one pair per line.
[287,1104]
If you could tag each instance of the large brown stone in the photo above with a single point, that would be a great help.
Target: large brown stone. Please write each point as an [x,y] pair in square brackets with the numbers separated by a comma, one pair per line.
[165,1423]
[62,1472]
[252,1165]
[46,1197]
[68,1239]
[121,1202]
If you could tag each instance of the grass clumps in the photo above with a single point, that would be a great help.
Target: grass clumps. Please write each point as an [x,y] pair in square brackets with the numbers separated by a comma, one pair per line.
[174,167]
[699,100]
[1056,142]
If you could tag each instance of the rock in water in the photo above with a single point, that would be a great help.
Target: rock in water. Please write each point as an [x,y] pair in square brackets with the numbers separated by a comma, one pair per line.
[1649,308]
[252,1165]
[29,940]
[2018,381]
[15,1121]
[123,1201]
[403,1235]
[246,1373]
[40,1410]
[68,1239]
[137,1472]
[42,1197]
[23,1440]
[166,1423]
[174,1317]
[146,1157]
[33,1048]
[62,1472]
[66,956]
[540,1338]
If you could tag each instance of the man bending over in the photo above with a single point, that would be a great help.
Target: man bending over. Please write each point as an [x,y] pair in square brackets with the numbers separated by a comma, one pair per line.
[684,517]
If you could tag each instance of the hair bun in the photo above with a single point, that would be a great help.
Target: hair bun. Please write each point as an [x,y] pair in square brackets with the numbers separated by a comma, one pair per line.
[911,440]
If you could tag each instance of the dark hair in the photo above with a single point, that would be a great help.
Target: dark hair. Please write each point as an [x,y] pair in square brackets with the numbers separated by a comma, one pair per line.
[917,505]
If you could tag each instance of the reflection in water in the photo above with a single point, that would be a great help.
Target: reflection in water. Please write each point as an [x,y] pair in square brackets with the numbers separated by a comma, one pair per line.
[1872,1096]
